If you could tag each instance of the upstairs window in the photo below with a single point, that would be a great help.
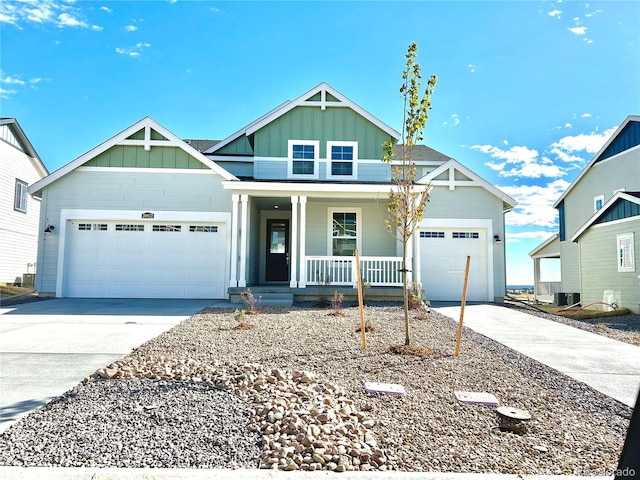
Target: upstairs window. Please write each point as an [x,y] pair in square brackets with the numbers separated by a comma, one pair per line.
[342,158]
[598,202]
[303,158]
[20,198]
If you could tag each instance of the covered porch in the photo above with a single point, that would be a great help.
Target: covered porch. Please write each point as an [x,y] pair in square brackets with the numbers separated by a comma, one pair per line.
[305,239]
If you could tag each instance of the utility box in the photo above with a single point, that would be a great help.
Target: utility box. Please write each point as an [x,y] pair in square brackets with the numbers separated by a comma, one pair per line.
[28,279]
[560,299]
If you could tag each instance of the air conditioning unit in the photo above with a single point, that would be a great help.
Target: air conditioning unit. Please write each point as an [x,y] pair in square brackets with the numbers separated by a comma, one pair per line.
[573,298]
[28,279]
[560,299]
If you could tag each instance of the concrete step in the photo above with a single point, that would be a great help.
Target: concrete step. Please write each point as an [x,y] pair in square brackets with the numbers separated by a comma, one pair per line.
[265,299]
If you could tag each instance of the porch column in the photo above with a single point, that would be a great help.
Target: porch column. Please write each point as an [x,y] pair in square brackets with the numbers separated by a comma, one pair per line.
[303,241]
[244,238]
[536,277]
[416,258]
[233,280]
[293,262]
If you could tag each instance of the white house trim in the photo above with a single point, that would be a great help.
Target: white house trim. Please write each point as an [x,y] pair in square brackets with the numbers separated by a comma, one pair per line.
[110,215]
[122,139]
[323,88]
[293,262]
[190,171]
[617,196]
[244,239]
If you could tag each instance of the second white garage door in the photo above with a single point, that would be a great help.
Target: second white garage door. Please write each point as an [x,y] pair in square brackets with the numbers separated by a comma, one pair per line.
[111,259]
[443,257]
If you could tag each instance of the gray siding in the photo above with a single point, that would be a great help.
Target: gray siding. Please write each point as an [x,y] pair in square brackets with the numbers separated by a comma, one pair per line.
[117,190]
[253,249]
[598,252]
[239,169]
[375,239]
[276,169]
[603,178]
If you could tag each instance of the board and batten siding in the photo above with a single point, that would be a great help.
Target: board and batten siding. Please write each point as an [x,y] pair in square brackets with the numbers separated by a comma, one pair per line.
[312,123]
[113,189]
[129,156]
[18,230]
[599,262]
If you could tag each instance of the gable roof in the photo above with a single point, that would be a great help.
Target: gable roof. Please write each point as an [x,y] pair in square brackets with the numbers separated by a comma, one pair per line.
[632,197]
[322,95]
[474,180]
[25,144]
[618,142]
[421,153]
[123,138]
[549,241]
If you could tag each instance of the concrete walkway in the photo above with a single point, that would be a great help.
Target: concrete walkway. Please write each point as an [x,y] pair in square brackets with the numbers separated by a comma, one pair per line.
[607,365]
[48,347]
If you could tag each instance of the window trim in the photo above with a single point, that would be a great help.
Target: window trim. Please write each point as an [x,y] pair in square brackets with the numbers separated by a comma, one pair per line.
[359,223]
[354,162]
[20,196]
[625,237]
[290,159]
[595,202]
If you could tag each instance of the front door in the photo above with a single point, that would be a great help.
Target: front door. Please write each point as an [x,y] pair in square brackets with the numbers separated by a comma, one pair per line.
[277,264]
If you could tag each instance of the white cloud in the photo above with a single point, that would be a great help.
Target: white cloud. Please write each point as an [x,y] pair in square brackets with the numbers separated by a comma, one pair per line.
[520,161]
[471,67]
[6,94]
[586,115]
[535,204]
[134,51]
[131,28]
[565,149]
[578,30]
[455,120]
[59,13]
[106,9]
[555,13]
[11,80]
[529,235]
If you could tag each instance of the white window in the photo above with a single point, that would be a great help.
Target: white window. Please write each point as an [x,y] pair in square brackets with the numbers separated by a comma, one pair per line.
[20,199]
[626,259]
[303,158]
[342,159]
[598,202]
[122,227]
[93,226]
[344,234]
[167,228]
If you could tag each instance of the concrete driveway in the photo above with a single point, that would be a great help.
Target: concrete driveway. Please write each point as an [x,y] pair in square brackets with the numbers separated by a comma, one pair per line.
[607,365]
[48,347]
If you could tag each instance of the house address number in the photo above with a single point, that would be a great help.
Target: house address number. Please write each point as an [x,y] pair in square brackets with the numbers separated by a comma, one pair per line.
[148,215]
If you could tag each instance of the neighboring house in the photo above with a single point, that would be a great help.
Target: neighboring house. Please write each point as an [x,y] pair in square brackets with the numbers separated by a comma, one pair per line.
[598,243]
[283,202]
[20,166]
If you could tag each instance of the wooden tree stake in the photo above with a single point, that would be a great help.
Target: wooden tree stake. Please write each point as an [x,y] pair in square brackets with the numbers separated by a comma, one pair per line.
[359,285]
[464,300]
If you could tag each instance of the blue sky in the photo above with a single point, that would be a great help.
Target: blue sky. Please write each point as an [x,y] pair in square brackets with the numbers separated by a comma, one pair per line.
[528,91]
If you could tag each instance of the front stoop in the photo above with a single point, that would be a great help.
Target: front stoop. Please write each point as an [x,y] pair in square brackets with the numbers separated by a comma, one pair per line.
[265,296]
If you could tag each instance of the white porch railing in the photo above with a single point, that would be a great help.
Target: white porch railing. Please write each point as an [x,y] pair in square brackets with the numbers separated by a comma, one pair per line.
[377,271]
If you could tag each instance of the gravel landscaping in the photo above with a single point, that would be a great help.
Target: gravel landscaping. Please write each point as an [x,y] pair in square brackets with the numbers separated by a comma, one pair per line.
[289,394]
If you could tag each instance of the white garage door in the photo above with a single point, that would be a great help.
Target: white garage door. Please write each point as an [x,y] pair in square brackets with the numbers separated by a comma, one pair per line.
[443,256]
[132,259]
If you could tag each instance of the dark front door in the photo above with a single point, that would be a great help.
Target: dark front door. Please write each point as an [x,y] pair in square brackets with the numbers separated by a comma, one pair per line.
[277,264]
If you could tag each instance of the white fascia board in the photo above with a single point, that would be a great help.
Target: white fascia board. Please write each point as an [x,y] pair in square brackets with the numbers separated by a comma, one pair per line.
[477,181]
[120,138]
[297,188]
[630,118]
[317,89]
[544,244]
[243,131]
[602,211]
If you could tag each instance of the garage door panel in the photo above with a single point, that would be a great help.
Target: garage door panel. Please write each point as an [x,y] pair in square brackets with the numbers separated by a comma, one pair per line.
[443,261]
[121,263]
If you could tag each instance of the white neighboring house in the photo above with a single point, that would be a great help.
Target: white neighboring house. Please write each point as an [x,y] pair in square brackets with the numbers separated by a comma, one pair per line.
[20,166]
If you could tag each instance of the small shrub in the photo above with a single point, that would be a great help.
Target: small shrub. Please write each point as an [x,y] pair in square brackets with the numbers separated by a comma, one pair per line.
[336,304]
[250,303]
[416,297]
[323,300]
[239,316]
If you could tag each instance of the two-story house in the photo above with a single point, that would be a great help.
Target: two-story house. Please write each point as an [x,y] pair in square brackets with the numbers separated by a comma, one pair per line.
[598,242]
[284,202]
[20,166]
